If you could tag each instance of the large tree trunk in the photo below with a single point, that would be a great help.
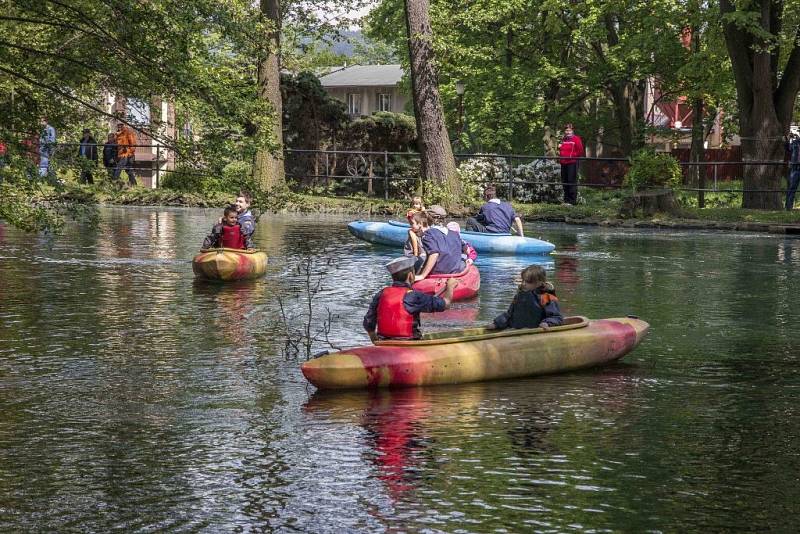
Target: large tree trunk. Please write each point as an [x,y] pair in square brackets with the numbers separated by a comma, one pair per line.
[628,99]
[765,96]
[436,154]
[268,168]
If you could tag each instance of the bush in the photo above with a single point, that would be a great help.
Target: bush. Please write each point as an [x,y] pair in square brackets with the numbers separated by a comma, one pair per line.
[653,169]
[547,175]
[184,178]
[235,176]
[477,172]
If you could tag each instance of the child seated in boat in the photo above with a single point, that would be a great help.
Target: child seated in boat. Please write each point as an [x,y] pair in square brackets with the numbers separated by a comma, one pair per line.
[468,254]
[416,207]
[394,311]
[442,246]
[420,222]
[228,233]
[534,305]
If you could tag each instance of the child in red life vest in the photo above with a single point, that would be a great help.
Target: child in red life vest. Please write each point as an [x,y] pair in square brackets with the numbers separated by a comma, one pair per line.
[228,233]
[534,305]
[394,311]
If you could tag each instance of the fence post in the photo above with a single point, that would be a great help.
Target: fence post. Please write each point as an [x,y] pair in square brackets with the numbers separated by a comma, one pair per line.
[327,170]
[701,185]
[158,166]
[385,175]
[511,178]
[715,178]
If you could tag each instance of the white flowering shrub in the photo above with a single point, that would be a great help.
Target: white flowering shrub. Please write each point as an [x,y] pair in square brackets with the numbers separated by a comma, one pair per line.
[547,175]
[477,172]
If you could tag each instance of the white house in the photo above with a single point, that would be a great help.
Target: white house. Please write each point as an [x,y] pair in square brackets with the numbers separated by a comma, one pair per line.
[366,88]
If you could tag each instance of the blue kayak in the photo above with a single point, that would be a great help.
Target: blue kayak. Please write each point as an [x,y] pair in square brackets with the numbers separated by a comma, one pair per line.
[394,233]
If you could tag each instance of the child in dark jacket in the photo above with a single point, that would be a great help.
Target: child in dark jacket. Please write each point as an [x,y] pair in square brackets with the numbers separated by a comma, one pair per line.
[534,305]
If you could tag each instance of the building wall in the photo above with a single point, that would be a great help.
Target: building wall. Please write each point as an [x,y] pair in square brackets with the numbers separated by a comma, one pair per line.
[160,120]
[369,97]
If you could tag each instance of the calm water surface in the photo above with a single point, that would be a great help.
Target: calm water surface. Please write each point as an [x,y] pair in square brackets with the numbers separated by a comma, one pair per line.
[133,398]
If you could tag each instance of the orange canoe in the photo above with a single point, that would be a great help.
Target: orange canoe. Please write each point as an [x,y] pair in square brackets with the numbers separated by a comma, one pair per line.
[477,354]
[229,264]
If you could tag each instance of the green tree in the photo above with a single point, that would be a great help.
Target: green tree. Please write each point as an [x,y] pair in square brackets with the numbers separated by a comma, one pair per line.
[763,41]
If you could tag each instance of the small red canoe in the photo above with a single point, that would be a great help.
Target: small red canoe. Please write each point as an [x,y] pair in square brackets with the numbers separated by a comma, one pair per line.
[469,282]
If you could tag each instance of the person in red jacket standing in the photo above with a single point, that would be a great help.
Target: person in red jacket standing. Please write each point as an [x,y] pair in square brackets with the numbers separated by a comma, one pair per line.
[569,149]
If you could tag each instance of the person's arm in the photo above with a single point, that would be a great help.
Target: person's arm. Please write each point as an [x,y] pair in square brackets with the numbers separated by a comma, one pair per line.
[578,146]
[414,242]
[212,240]
[371,317]
[430,261]
[502,321]
[552,313]
[518,226]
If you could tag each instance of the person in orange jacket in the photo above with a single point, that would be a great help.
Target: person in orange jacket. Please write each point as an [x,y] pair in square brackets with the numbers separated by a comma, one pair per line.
[126,149]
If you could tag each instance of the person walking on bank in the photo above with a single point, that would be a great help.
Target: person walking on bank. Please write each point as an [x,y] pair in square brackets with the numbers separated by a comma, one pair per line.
[793,148]
[126,149]
[569,149]
[110,155]
[87,156]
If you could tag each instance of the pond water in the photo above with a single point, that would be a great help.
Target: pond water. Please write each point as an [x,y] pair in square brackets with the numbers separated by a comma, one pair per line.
[134,398]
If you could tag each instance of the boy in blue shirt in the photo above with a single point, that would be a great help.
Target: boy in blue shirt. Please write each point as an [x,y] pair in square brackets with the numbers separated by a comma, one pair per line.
[495,217]
[442,246]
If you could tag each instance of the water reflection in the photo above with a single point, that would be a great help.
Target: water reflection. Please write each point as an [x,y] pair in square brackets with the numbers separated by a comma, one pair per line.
[128,388]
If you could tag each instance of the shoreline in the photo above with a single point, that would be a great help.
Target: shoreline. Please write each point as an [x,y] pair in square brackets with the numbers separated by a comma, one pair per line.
[728,220]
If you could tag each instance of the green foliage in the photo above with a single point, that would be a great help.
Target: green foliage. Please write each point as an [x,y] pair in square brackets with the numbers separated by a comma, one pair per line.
[382,131]
[653,169]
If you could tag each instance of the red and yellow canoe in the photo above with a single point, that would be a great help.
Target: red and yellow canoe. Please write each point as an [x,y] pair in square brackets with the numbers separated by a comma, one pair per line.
[477,354]
[469,282]
[229,264]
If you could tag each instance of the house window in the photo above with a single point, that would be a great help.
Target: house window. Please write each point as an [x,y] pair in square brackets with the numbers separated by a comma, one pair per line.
[384,102]
[354,103]
[137,111]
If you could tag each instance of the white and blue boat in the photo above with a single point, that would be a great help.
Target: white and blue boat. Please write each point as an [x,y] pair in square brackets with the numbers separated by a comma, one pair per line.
[394,233]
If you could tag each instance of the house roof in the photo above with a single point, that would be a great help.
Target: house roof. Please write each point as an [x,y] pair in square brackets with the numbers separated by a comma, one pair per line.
[363,75]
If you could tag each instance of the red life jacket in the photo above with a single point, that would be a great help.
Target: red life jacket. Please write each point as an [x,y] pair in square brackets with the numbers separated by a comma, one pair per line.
[393,319]
[232,237]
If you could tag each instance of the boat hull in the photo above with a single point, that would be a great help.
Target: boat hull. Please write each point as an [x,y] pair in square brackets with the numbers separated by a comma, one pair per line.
[395,233]
[229,264]
[508,354]
[469,282]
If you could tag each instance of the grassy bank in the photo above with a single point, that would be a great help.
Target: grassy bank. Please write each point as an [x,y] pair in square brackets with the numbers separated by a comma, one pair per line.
[596,208]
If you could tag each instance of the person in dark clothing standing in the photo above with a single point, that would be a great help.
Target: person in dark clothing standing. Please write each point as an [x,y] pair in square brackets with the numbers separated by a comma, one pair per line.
[569,149]
[87,156]
[394,311]
[793,148]
[110,155]
[495,217]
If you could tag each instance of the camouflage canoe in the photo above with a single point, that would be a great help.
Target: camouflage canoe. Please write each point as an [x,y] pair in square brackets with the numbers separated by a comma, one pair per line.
[477,354]
[229,264]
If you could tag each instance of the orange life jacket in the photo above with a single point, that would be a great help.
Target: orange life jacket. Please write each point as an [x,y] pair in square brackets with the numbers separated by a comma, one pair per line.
[393,319]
